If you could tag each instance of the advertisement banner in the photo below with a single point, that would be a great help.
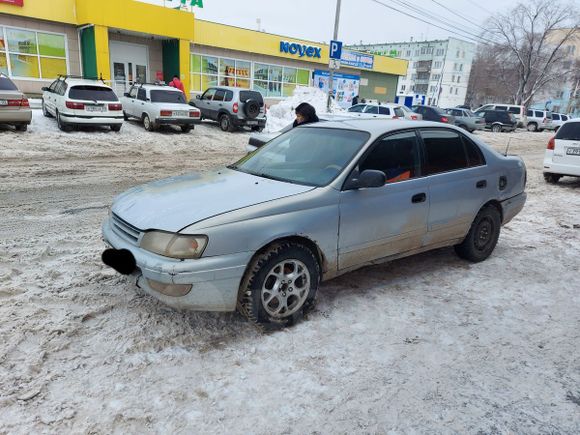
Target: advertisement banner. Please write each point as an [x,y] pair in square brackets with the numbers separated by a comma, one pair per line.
[357,60]
[345,86]
[13,2]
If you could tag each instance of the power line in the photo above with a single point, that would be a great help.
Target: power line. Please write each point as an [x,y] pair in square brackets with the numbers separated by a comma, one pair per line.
[474,38]
[459,15]
[474,2]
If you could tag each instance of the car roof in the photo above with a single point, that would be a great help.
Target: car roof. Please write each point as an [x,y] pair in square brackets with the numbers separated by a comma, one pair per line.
[378,126]
[154,87]
[86,82]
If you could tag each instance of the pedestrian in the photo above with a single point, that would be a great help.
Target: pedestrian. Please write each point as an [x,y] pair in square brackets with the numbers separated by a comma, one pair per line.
[355,100]
[305,114]
[176,83]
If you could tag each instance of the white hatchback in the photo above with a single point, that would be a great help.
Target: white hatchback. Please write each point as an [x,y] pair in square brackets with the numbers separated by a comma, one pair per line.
[76,102]
[562,156]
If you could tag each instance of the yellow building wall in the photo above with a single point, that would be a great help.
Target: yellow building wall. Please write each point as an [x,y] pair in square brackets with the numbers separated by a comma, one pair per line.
[235,38]
[60,11]
[184,63]
[102,52]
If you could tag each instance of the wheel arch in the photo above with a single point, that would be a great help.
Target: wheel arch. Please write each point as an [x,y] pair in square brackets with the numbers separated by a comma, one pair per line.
[493,203]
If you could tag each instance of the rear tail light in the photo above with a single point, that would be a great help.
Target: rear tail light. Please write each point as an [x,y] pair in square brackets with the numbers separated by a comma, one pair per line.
[444,119]
[236,107]
[166,113]
[414,117]
[552,143]
[25,103]
[19,103]
[115,107]
[75,106]
[194,114]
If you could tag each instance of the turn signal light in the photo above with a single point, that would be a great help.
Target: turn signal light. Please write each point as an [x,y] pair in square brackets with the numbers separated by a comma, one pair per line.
[444,119]
[75,106]
[552,143]
[166,113]
[115,107]
[236,107]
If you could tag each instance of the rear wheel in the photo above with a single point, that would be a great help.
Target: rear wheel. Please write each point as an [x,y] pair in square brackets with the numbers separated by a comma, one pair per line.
[116,127]
[552,178]
[147,123]
[21,127]
[496,128]
[186,128]
[258,129]
[482,237]
[125,116]
[532,126]
[62,125]
[280,285]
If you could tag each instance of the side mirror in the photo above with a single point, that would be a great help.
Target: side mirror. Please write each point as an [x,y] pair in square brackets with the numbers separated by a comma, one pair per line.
[367,179]
[45,89]
[198,97]
[126,94]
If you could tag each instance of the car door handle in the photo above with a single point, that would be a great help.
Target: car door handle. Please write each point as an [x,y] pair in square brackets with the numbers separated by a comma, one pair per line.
[481,184]
[420,197]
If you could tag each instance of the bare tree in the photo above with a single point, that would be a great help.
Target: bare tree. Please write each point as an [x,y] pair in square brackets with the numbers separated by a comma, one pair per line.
[530,39]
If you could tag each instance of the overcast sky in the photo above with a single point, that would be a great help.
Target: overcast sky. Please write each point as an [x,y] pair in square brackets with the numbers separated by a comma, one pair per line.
[360,20]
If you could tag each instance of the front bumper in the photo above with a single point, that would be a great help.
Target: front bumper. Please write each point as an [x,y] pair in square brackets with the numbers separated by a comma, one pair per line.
[177,121]
[91,120]
[512,206]
[215,280]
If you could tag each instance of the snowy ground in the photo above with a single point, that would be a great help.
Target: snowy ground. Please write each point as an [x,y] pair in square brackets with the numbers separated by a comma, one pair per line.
[429,344]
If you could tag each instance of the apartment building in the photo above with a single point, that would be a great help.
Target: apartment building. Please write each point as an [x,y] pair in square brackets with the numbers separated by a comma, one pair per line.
[438,69]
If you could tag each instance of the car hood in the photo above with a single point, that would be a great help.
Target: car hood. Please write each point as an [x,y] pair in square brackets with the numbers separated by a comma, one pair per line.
[175,203]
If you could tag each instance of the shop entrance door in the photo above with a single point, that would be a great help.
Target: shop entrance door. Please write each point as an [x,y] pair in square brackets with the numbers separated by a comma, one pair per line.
[129,64]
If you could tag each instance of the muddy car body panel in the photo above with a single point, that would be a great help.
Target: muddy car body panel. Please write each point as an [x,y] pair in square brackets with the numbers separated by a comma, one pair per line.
[346,227]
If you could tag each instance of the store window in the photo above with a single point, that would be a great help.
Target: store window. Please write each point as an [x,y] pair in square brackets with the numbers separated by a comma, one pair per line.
[277,81]
[31,54]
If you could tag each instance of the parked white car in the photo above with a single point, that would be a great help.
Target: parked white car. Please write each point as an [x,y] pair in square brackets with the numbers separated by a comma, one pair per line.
[562,157]
[158,105]
[81,102]
[386,111]
[558,119]
[540,120]
[516,110]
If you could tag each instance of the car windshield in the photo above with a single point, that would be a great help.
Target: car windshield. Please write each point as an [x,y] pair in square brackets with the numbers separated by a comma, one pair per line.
[167,97]
[7,84]
[93,93]
[311,156]
[569,131]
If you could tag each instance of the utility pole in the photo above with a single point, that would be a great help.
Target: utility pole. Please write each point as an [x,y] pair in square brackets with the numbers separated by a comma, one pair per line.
[331,75]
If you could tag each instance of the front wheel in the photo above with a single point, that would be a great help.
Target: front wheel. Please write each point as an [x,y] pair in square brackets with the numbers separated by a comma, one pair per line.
[532,127]
[280,285]
[496,128]
[45,111]
[226,123]
[482,237]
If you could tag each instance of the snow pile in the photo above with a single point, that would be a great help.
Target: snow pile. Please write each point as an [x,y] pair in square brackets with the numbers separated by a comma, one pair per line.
[282,114]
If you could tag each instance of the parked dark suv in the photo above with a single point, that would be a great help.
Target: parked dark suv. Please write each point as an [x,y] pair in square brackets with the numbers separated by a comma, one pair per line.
[232,108]
[431,113]
[498,120]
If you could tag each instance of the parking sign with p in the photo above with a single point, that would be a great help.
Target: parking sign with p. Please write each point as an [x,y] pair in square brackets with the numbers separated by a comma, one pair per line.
[335,49]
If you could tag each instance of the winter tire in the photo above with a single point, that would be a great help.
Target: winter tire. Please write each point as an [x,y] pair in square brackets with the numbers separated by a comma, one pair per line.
[496,128]
[482,237]
[125,116]
[258,129]
[532,126]
[552,178]
[186,128]
[21,127]
[61,125]
[280,285]
[226,123]
[45,112]
[149,126]
[116,128]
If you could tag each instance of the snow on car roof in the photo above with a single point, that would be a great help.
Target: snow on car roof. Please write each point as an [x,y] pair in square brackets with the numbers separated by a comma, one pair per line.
[377,126]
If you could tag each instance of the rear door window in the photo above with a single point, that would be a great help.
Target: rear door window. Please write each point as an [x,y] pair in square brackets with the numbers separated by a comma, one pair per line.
[384,111]
[444,151]
[7,85]
[474,154]
[515,110]
[229,96]
[569,131]
[564,118]
[167,97]
[539,114]
[396,155]
[92,93]
[251,95]
[372,109]
[530,113]
[500,107]
[555,117]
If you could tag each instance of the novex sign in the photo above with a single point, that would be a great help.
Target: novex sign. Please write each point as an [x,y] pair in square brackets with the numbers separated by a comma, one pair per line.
[13,2]
[300,50]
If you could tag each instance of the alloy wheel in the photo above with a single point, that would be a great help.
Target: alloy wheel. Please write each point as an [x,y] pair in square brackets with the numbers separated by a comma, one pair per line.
[285,288]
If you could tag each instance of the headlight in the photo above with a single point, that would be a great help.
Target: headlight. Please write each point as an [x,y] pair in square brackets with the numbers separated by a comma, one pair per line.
[174,245]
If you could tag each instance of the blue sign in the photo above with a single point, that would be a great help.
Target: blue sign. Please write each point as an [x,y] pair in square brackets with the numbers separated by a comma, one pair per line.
[300,49]
[357,60]
[335,49]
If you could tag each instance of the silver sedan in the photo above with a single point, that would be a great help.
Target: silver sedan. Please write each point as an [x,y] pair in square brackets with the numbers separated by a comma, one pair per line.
[314,203]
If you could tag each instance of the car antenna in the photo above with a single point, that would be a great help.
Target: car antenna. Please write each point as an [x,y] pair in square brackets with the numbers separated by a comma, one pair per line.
[508,146]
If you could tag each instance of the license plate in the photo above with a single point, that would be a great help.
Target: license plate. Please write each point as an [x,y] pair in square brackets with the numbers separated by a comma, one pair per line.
[573,151]
[180,113]
[3,102]
[252,122]
[95,108]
